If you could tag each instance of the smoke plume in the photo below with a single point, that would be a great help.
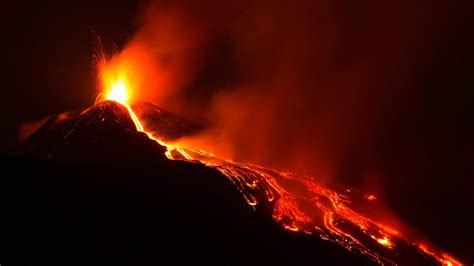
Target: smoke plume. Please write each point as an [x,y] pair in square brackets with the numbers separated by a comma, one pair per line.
[314,86]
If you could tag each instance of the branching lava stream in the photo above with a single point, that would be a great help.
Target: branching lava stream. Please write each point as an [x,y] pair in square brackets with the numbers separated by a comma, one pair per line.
[300,204]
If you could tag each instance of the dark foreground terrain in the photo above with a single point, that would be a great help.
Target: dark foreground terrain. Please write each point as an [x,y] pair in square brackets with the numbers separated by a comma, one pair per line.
[92,190]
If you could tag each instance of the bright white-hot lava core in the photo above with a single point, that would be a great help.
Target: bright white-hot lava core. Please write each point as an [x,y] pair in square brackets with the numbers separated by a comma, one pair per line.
[330,213]
[118,92]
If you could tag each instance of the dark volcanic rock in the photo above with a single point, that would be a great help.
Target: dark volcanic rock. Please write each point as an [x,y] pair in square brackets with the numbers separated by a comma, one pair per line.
[88,189]
[163,124]
[104,132]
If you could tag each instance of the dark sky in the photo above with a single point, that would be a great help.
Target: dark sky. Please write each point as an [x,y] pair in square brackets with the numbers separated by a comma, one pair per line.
[47,68]
[47,55]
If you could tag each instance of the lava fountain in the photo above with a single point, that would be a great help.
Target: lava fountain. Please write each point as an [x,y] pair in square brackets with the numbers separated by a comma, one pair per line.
[299,202]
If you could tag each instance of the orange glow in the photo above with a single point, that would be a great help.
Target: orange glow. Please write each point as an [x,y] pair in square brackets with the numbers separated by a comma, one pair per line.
[113,81]
[315,210]
[119,79]
[335,211]
[115,86]
[443,258]
[384,241]
[371,197]
[118,92]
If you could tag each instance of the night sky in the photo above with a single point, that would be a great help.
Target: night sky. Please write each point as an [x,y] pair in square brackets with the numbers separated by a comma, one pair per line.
[48,68]
[48,50]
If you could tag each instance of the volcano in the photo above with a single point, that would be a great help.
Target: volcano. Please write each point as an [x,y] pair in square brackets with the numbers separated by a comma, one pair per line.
[89,187]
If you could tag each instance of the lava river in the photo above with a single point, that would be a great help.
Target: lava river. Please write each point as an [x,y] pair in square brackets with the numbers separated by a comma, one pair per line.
[299,202]
[303,205]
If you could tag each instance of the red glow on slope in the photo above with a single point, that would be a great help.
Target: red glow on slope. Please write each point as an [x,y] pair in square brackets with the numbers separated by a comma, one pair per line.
[312,209]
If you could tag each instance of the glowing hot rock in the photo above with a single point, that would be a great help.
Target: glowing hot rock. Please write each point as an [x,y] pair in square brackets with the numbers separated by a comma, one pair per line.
[118,93]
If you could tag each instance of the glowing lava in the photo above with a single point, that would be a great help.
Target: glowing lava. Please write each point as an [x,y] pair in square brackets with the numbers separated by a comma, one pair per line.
[328,213]
[114,80]
[118,92]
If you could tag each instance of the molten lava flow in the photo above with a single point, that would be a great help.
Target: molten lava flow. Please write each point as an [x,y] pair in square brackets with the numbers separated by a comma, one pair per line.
[329,213]
[118,92]
[313,209]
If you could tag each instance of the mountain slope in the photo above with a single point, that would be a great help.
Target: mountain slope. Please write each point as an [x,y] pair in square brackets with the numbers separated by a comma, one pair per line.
[87,188]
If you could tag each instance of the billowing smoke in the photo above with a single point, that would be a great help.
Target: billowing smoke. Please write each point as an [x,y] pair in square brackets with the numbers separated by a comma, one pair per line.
[308,85]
